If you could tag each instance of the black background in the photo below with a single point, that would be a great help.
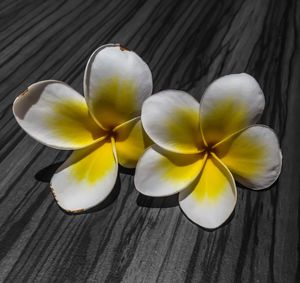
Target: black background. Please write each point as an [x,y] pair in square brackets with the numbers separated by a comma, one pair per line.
[132,238]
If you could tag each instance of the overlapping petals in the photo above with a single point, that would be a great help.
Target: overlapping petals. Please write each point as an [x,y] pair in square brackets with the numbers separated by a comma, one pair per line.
[200,152]
[103,126]
[131,142]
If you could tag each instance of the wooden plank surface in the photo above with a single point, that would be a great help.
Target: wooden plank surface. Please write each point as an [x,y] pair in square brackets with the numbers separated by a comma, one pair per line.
[132,238]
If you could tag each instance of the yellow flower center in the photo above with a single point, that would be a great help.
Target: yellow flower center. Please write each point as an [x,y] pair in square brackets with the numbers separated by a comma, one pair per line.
[111,133]
[209,149]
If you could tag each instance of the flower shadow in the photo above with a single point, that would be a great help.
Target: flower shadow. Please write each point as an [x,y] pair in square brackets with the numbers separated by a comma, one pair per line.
[157,202]
[45,175]
[127,171]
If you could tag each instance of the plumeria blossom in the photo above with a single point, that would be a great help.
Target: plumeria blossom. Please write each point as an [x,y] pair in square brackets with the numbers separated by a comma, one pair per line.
[199,149]
[103,127]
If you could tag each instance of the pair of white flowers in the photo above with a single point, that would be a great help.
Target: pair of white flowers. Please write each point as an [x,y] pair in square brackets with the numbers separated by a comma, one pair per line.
[195,149]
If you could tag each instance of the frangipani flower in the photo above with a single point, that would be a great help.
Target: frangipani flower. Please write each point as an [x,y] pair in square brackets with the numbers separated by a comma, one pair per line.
[201,148]
[103,127]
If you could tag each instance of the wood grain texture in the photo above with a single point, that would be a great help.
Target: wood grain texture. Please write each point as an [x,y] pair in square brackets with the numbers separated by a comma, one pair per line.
[132,238]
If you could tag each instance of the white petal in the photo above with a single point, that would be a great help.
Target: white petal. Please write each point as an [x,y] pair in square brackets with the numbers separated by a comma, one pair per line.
[253,156]
[230,104]
[56,115]
[161,173]
[117,81]
[211,199]
[86,178]
[171,119]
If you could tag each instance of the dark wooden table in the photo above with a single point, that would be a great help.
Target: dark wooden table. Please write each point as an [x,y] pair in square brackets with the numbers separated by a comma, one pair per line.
[132,238]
